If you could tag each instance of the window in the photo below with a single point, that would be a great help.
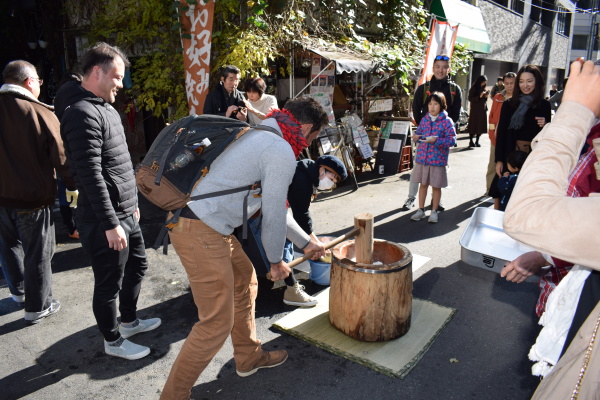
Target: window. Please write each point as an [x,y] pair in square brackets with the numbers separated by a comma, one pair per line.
[502,2]
[517,6]
[563,21]
[536,12]
[580,42]
[547,12]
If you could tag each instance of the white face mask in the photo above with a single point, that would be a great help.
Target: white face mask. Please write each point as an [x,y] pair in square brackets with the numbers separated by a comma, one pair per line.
[325,183]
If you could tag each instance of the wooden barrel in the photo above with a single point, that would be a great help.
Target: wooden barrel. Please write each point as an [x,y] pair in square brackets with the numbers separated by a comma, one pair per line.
[371,302]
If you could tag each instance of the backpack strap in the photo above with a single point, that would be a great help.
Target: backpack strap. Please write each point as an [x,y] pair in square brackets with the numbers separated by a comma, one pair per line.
[426,87]
[266,128]
[163,238]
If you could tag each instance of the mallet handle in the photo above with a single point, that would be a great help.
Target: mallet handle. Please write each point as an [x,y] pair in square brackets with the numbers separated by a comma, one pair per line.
[329,245]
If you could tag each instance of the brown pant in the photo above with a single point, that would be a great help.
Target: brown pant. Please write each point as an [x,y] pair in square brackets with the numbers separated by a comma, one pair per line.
[224,286]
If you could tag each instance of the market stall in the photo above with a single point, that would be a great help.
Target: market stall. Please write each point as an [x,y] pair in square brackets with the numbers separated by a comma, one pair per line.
[346,137]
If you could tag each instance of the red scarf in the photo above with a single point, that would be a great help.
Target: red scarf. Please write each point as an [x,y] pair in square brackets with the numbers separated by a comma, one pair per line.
[291,129]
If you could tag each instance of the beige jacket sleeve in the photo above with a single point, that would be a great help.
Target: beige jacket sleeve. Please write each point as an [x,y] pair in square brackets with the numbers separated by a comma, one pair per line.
[539,214]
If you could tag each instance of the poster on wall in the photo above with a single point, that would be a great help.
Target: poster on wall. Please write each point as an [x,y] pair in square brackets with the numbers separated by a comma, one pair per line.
[327,104]
[322,76]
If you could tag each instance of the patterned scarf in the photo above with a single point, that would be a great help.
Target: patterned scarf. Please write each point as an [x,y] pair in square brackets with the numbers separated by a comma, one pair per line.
[291,130]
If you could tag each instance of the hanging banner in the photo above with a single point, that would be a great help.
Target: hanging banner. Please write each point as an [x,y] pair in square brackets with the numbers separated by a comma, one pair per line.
[441,42]
[197,22]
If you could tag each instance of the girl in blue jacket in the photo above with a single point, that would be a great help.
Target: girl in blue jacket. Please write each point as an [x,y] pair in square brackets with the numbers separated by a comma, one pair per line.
[434,137]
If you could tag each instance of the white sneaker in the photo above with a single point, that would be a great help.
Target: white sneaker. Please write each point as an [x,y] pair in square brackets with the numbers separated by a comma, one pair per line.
[125,349]
[32,317]
[19,299]
[433,217]
[409,203]
[420,214]
[139,326]
[296,296]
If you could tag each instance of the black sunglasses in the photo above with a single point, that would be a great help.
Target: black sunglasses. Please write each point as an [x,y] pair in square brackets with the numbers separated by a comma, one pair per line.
[443,58]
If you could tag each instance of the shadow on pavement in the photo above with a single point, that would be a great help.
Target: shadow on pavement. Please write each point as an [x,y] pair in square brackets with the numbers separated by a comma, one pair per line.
[83,352]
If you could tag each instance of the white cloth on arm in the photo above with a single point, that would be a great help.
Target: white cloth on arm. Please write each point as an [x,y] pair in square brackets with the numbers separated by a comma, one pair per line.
[556,321]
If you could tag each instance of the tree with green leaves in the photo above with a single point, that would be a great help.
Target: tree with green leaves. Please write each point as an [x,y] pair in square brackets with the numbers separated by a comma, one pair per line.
[251,34]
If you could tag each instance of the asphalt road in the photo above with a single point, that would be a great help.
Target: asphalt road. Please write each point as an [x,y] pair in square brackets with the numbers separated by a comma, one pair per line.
[489,336]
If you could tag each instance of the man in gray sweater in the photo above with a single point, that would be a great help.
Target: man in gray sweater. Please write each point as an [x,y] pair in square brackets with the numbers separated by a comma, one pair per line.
[221,276]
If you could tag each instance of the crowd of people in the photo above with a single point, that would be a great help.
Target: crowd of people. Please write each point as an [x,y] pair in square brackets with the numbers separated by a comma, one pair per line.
[82,139]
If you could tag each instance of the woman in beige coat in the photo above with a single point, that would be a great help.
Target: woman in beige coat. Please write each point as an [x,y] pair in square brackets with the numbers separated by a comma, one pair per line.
[540,216]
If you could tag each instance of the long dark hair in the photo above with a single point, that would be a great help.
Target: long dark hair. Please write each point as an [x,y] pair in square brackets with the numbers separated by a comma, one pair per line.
[538,92]
[476,88]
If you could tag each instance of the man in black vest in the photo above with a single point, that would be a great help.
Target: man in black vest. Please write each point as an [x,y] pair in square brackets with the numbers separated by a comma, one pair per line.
[440,82]
[226,100]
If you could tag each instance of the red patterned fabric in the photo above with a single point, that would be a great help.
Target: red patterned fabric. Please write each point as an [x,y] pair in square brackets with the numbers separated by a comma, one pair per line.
[582,182]
[291,129]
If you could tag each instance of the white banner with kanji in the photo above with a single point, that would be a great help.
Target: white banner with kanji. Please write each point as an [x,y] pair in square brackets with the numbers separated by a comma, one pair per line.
[197,22]
[441,42]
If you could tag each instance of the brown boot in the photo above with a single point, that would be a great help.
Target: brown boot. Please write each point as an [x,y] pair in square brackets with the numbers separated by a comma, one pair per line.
[269,359]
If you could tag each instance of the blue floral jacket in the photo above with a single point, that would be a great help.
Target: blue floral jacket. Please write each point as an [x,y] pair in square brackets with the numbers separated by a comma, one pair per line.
[435,154]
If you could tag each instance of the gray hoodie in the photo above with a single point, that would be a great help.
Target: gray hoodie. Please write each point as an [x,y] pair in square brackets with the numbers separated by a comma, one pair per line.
[256,156]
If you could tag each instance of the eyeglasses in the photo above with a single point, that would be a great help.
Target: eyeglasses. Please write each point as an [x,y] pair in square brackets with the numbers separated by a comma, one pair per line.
[40,81]
[442,58]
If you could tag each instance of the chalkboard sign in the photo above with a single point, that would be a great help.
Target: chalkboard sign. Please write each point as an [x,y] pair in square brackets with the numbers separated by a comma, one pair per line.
[389,152]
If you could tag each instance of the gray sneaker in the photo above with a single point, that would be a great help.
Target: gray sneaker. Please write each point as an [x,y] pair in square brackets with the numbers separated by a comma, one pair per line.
[296,296]
[125,349]
[433,217]
[139,326]
[420,214]
[32,317]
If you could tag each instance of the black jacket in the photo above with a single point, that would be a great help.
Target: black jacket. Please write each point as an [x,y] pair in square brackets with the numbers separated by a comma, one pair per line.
[97,152]
[506,138]
[300,192]
[216,101]
[447,87]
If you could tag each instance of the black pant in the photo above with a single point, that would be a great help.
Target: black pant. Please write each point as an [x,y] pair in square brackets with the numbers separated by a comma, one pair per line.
[26,249]
[116,273]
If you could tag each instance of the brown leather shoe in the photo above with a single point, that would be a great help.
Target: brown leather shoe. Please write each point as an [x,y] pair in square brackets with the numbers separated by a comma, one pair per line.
[269,359]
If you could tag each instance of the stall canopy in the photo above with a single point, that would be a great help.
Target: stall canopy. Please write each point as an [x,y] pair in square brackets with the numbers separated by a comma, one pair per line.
[345,62]
[471,27]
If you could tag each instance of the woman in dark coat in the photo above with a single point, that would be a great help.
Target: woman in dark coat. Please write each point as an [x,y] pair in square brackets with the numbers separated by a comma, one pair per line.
[478,122]
[521,119]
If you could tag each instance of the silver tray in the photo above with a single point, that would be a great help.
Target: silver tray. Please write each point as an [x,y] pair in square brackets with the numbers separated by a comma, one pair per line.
[485,245]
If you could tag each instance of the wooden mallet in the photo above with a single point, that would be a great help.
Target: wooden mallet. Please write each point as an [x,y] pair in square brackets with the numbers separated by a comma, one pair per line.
[363,230]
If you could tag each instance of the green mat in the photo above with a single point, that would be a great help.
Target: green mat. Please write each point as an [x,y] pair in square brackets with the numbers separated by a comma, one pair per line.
[395,358]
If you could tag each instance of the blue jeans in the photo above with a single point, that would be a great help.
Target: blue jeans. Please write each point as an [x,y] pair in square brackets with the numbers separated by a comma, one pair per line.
[26,248]
[116,274]
[255,224]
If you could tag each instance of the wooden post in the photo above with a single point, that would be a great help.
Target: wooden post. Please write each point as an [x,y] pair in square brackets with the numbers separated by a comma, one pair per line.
[364,239]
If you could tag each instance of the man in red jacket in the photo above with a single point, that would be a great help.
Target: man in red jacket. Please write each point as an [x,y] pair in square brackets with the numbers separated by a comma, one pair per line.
[30,151]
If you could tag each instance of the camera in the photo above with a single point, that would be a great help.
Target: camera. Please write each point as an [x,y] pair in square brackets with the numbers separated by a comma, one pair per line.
[239,109]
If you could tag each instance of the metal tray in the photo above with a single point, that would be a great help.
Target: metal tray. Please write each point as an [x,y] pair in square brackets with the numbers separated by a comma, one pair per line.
[485,245]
